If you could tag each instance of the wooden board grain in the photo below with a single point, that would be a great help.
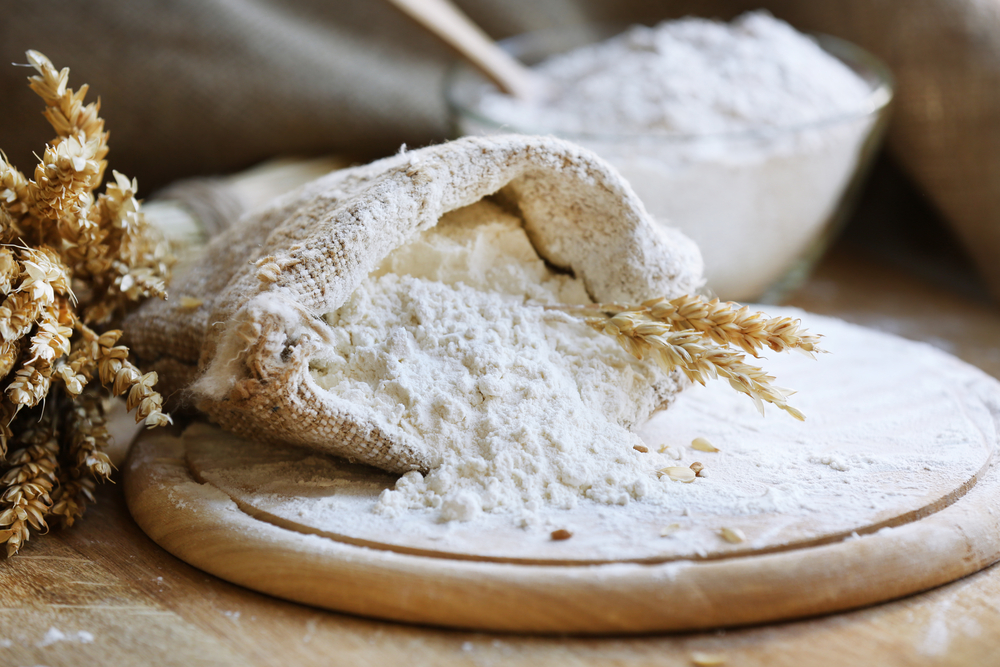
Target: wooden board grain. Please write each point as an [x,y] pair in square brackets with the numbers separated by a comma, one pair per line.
[204,527]
[923,529]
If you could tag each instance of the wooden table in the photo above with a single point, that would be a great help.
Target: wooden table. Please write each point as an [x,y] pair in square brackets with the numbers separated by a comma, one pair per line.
[104,594]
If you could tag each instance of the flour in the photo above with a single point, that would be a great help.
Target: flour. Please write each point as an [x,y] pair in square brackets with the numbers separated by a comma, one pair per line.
[843,464]
[742,135]
[55,635]
[523,412]
[691,76]
[515,407]
[243,353]
[892,427]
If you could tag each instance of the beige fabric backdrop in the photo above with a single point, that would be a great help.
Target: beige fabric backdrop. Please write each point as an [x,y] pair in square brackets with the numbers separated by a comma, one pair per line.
[209,86]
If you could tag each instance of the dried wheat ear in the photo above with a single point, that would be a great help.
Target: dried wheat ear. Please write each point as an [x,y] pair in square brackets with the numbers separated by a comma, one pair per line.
[700,337]
[71,263]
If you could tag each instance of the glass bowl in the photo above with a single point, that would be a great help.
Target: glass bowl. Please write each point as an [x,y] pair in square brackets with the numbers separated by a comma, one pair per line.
[762,204]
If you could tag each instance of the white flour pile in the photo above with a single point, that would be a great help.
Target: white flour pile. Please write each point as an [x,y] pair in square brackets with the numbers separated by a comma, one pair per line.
[893,426]
[518,407]
[693,76]
[738,178]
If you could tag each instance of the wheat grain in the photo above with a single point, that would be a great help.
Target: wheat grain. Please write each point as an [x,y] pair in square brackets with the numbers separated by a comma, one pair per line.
[699,359]
[728,322]
[14,195]
[10,269]
[702,659]
[694,335]
[67,174]
[9,352]
[66,112]
[703,445]
[723,322]
[51,339]
[669,530]
[88,438]
[27,486]
[678,473]
[71,496]
[733,535]
[191,302]
[18,313]
[55,231]
[7,414]
[115,370]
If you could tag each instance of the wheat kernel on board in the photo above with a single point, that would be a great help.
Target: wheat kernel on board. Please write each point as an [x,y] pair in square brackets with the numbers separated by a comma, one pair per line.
[703,445]
[679,473]
[641,448]
[561,534]
[733,535]
[667,531]
[701,659]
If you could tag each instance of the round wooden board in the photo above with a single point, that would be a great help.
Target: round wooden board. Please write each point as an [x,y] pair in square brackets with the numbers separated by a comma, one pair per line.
[248,514]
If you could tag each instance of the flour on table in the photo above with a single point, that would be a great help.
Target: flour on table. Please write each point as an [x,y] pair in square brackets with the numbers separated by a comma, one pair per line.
[892,427]
[54,635]
[515,406]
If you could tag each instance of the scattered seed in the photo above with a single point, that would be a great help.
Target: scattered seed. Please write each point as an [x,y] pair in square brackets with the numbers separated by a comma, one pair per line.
[561,534]
[707,659]
[703,445]
[190,302]
[667,531]
[733,535]
[697,466]
[641,448]
[678,473]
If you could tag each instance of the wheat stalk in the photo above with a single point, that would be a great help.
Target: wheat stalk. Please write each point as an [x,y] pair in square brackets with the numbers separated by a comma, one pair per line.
[27,485]
[697,337]
[57,233]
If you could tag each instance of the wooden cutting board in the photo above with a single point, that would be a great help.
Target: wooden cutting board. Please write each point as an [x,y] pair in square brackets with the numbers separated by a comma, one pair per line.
[889,488]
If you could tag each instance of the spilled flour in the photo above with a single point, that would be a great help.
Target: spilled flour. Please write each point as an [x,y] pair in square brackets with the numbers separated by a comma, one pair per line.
[517,407]
[892,427]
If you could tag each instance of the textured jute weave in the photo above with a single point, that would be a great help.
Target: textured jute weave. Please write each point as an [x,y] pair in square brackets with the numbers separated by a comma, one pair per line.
[244,320]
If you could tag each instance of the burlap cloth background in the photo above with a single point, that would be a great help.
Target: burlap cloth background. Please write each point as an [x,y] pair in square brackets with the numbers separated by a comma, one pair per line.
[211,86]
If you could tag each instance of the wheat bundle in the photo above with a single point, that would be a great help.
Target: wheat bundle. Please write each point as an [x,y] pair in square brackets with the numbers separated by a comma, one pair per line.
[71,263]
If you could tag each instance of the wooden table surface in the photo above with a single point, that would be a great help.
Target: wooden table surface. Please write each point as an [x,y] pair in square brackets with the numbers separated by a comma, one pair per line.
[104,594]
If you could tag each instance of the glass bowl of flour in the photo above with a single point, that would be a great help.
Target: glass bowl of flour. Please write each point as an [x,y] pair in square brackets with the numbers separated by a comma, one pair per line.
[749,136]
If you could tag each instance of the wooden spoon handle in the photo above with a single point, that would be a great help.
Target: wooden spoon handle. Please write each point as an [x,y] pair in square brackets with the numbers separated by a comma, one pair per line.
[456,30]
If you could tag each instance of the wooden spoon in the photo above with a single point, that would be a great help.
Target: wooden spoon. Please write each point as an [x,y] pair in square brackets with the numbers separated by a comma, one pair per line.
[457,31]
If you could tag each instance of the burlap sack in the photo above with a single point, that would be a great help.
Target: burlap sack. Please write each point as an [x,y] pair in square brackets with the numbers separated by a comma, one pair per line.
[243,322]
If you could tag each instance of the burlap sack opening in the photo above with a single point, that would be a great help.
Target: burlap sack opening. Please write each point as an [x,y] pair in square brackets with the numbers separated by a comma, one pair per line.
[244,320]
